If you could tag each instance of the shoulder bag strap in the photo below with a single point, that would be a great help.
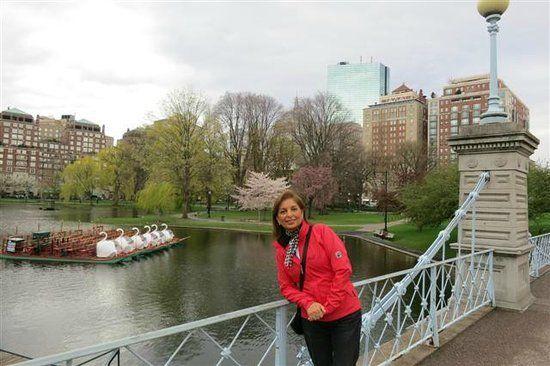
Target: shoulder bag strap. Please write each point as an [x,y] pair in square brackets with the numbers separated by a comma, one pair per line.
[304,257]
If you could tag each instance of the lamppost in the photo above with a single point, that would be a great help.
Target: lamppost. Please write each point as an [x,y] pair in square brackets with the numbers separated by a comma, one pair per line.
[491,10]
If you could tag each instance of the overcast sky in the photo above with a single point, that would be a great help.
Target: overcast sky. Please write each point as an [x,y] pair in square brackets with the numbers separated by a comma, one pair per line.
[113,62]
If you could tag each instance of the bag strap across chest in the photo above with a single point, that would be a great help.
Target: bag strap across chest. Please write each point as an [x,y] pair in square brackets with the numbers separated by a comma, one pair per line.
[304,259]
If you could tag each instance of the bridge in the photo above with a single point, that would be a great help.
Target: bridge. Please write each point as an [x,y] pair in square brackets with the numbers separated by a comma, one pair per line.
[411,313]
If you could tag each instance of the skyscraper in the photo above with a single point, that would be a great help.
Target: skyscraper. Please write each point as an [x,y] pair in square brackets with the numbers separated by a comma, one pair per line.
[358,85]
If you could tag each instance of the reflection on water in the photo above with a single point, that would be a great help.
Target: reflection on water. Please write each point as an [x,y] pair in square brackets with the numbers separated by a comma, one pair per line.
[29,217]
[49,308]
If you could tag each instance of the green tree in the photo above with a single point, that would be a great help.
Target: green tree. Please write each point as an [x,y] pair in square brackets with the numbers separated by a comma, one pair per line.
[213,170]
[538,186]
[176,141]
[115,175]
[433,200]
[157,197]
[80,179]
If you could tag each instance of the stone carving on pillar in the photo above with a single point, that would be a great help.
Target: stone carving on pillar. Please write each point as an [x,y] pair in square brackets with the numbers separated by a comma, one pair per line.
[503,149]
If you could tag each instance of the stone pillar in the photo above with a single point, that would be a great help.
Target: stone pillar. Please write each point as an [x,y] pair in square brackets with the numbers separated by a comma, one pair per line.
[503,149]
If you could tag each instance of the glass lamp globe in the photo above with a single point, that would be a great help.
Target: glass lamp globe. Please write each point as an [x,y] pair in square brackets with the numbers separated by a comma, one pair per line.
[492,7]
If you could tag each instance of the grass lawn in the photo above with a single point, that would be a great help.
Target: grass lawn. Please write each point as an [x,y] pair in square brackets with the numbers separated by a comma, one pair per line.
[353,219]
[408,236]
[175,220]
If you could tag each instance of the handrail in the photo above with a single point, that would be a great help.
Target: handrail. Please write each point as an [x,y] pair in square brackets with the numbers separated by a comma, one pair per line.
[385,303]
[127,341]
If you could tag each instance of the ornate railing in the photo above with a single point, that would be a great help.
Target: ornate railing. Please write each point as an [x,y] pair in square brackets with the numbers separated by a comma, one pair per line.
[405,309]
[540,255]
[441,294]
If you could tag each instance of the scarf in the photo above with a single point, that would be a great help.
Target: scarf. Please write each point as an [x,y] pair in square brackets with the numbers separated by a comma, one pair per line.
[292,246]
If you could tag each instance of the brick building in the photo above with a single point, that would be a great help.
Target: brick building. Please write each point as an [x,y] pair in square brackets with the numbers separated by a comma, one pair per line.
[399,118]
[462,103]
[38,149]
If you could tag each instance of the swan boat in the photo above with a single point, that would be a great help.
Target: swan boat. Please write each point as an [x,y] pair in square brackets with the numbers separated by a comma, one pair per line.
[95,245]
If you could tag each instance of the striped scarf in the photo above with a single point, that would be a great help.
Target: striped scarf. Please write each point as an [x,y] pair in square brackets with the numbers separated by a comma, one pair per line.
[292,246]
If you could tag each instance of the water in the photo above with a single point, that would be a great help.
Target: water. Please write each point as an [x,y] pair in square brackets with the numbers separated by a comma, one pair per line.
[50,308]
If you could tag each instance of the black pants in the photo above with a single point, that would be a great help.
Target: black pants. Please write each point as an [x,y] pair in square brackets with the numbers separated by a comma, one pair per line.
[334,343]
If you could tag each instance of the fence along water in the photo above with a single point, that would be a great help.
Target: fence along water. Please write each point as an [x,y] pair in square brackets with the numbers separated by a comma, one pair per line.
[406,309]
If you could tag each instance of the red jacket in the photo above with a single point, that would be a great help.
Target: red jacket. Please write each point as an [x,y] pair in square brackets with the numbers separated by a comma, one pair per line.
[327,274]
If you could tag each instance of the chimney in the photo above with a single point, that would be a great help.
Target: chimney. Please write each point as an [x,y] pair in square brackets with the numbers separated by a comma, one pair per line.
[103,129]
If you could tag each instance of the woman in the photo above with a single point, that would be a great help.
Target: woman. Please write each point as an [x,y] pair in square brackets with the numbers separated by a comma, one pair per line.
[330,308]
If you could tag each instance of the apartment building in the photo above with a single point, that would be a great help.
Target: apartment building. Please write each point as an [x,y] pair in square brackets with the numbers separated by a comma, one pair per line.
[399,118]
[463,102]
[40,148]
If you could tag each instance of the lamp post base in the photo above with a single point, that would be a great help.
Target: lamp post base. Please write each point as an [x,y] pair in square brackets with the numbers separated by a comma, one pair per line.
[493,117]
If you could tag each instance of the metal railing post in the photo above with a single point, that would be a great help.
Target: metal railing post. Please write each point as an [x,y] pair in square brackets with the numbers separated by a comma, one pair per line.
[491,281]
[433,305]
[280,330]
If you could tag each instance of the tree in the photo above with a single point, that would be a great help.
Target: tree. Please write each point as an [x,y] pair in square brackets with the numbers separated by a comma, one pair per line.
[259,192]
[261,113]
[157,197]
[283,154]
[316,185]
[213,170]
[115,175]
[410,163]
[5,184]
[432,201]
[23,182]
[177,140]
[80,179]
[316,121]
[248,120]
[538,186]
[229,110]
[347,164]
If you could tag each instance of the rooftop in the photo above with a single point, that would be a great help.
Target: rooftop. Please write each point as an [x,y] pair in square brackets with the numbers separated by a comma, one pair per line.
[16,111]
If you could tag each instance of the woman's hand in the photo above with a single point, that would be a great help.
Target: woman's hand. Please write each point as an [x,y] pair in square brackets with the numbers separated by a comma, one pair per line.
[315,311]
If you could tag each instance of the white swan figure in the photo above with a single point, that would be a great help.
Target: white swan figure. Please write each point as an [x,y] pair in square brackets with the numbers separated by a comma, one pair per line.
[161,239]
[138,240]
[148,236]
[123,243]
[168,234]
[157,239]
[105,248]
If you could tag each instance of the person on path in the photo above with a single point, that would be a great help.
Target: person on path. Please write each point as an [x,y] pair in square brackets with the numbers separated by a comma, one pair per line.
[330,307]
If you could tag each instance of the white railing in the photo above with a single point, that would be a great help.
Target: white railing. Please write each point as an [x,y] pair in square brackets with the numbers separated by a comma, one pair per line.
[441,294]
[439,244]
[406,309]
[540,255]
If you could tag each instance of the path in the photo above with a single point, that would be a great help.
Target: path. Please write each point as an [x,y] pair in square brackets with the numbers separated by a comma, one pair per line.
[503,338]
[379,226]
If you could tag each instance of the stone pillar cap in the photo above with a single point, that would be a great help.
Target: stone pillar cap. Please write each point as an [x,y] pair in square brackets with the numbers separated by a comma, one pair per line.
[496,137]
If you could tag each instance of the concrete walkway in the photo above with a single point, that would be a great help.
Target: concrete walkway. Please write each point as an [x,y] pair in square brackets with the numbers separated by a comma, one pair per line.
[503,338]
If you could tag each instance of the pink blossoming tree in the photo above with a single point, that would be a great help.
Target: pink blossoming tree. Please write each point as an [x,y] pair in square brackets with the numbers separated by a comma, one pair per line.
[259,192]
[316,185]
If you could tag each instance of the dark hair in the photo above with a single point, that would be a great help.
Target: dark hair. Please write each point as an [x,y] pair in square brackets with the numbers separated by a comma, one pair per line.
[278,230]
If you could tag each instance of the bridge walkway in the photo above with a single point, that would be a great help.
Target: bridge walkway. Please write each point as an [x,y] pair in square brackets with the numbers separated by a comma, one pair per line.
[503,337]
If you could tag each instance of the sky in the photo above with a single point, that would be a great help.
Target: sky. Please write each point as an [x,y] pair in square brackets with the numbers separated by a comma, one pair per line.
[113,62]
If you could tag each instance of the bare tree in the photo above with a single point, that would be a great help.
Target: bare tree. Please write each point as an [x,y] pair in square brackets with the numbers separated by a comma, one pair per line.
[230,111]
[316,121]
[261,113]
[410,163]
[248,120]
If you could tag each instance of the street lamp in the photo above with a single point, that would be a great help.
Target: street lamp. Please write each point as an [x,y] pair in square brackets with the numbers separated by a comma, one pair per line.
[491,10]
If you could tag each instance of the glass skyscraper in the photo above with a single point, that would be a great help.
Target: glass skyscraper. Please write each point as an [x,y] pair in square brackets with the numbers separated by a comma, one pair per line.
[358,85]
